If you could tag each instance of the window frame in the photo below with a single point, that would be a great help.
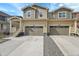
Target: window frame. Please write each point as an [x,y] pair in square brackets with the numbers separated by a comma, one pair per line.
[40,14]
[61,13]
[29,14]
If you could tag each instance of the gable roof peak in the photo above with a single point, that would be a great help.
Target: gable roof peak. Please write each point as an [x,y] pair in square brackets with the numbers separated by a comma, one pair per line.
[35,5]
[63,7]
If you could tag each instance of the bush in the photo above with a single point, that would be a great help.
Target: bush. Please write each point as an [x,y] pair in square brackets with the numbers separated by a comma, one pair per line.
[20,34]
[6,33]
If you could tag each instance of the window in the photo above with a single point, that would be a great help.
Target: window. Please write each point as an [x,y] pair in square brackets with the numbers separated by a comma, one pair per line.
[62,15]
[29,14]
[40,14]
[1,26]
[2,18]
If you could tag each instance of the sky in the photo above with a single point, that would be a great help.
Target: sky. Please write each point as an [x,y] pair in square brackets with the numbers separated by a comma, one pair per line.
[15,8]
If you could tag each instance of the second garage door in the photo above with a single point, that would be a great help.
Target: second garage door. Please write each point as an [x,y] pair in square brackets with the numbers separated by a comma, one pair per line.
[59,30]
[34,30]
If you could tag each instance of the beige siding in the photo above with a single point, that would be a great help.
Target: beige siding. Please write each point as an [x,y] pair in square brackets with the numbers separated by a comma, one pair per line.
[63,23]
[44,13]
[68,14]
[35,23]
[32,16]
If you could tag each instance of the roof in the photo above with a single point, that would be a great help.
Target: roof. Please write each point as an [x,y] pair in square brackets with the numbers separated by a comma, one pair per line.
[28,7]
[32,7]
[39,6]
[75,12]
[20,17]
[3,14]
[63,8]
[16,17]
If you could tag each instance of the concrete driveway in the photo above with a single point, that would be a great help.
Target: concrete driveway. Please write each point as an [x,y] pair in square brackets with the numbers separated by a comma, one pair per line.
[41,46]
[33,46]
[69,45]
[23,46]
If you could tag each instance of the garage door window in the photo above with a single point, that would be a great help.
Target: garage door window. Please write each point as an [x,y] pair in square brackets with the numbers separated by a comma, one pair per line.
[58,26]
[33,26]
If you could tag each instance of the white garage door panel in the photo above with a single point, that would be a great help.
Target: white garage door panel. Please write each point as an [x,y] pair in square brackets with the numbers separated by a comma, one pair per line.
[34,30]
[59,30]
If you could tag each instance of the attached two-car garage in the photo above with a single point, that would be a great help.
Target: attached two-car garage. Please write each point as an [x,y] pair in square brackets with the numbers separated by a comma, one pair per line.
[53,30]
[59,30]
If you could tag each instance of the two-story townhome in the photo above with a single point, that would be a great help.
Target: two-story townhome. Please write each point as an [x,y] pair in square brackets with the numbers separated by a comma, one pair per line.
[38,20]
[62,20]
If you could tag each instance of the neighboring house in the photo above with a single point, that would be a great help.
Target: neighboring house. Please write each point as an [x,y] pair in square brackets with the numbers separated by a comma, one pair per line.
[4,25]
[62,13]
[38,20]
[75,15]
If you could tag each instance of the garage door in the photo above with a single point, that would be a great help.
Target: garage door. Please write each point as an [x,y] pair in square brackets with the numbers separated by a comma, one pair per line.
[59,30]
[34,30]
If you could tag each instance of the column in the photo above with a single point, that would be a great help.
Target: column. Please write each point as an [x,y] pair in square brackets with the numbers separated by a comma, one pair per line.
[23,29]
[10,26]
[45,28]
[20,25]
[75,26]
[69,30]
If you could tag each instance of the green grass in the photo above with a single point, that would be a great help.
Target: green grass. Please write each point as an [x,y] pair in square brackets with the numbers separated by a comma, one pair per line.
[1,38]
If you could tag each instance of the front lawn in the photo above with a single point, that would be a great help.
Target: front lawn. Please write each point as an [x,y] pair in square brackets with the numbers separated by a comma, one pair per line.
[1,38]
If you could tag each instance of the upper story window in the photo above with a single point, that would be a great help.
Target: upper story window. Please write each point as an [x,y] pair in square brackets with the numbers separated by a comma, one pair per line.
[29,14]
[2,18]
[62,14]
[40,14]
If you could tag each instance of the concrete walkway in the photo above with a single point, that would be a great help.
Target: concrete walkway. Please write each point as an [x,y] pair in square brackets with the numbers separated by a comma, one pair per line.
[68,45]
